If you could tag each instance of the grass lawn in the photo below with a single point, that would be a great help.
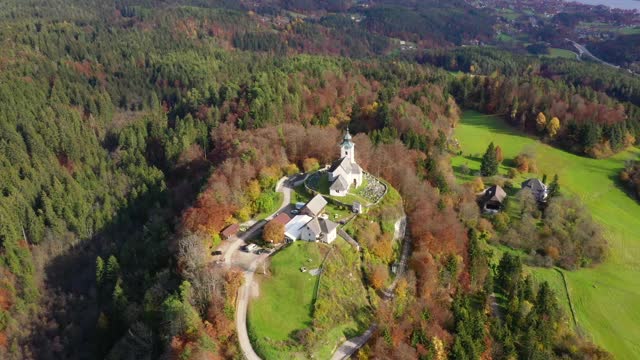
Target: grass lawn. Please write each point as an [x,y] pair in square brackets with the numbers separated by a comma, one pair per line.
[606,298]
[285,302]
[561,53]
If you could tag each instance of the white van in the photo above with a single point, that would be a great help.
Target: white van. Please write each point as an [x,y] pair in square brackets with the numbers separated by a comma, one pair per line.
[250,247]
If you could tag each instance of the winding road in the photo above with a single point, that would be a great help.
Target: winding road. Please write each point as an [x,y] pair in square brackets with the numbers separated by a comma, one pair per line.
[244,293]
[583,50]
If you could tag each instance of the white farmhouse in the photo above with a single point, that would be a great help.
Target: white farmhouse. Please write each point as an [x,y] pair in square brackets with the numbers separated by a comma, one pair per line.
[345,172]
[310,225]
[319,229]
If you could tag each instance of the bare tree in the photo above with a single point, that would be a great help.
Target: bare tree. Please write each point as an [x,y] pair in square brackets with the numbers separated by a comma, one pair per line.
[191,254]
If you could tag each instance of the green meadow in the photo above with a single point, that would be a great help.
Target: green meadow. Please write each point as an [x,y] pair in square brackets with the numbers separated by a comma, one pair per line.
[285,303]
[562,53]
[606,298]
[291,300]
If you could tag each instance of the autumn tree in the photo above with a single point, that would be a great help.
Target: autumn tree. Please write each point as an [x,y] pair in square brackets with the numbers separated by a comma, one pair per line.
[541,122]
[310,164]
[273,232]
[379,276]
[553,127]
[499,154]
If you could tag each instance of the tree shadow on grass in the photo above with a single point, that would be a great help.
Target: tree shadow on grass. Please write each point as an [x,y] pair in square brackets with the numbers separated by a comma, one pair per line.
[617,182]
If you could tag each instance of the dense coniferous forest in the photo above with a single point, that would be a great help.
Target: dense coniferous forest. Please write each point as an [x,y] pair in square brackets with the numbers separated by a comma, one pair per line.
[133,131]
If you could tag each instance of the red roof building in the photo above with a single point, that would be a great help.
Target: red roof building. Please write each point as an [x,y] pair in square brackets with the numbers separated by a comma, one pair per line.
[282,218]
[230,231]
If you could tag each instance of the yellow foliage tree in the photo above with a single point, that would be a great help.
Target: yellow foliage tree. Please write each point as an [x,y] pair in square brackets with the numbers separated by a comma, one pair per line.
[291,169]
[541,121]
[273,231]
[310,164]
[253,190]
[477,185]
[553,126]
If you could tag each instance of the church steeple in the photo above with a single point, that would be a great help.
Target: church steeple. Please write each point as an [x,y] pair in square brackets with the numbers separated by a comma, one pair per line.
[347,147]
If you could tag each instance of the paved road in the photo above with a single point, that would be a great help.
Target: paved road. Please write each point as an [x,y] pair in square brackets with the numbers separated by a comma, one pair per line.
[253,225]
[583,50]
[244,293]
[349,347]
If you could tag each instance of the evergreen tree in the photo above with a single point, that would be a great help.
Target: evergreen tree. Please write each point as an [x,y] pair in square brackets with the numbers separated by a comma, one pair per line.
[99,270]
[489,166]
[113,268]
[554,187]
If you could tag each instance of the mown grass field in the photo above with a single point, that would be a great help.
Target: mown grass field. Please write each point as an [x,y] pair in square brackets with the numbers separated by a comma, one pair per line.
[285,302]
[562,53]
[290,300]
[606,298]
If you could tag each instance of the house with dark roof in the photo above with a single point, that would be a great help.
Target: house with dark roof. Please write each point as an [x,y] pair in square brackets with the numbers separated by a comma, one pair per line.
[345,172]
[315,206]
[538,189]
[492,199]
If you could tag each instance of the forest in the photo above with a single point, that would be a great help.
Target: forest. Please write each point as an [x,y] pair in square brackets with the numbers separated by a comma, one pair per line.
[133,132]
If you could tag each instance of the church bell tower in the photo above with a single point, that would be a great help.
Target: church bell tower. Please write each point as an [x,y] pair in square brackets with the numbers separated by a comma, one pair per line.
[347,147]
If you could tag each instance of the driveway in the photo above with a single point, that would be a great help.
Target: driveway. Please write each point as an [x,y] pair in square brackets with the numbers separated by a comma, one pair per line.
[244,294]
[250,262]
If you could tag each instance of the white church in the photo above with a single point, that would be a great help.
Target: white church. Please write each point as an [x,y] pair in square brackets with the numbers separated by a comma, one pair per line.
[345,172]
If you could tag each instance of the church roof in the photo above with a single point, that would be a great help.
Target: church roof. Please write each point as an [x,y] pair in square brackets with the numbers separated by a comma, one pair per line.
[347,136]
[346,140]
[346,164]
[340,184]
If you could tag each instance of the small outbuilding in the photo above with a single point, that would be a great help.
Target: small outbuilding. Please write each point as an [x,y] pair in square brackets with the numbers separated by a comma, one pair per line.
[230,231]
[356,207]
[492,199]
[282,218]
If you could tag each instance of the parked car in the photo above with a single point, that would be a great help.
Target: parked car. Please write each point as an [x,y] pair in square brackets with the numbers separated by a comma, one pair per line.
[295,211]
[216,252]
[249,248]
[263,251]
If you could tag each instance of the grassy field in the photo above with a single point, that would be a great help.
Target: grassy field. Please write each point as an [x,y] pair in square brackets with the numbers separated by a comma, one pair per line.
[287,301]
[561,53]
[606,298]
